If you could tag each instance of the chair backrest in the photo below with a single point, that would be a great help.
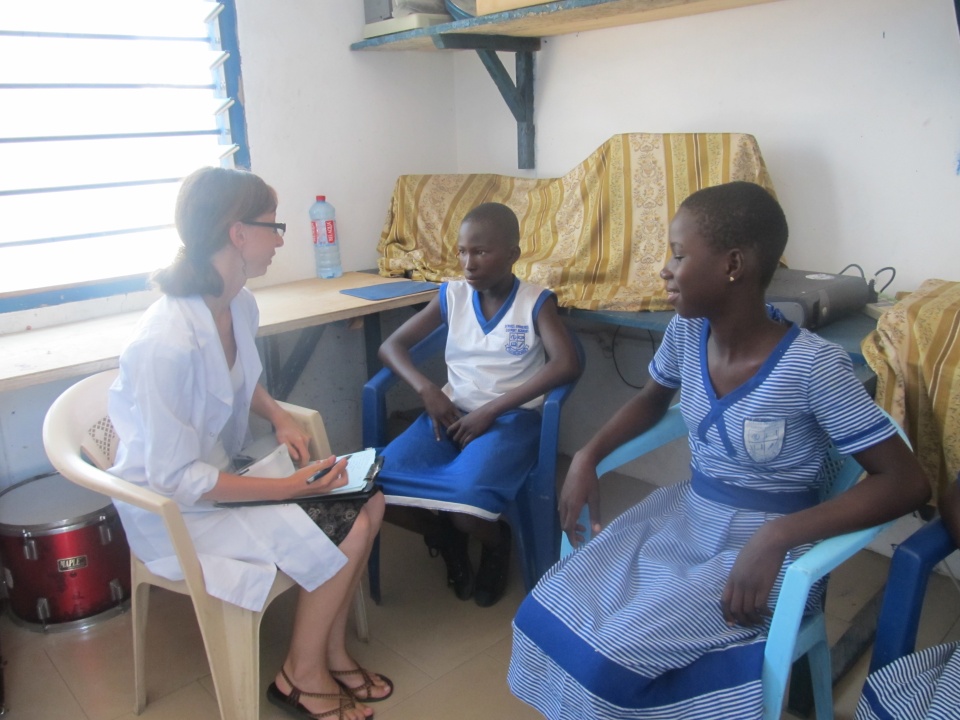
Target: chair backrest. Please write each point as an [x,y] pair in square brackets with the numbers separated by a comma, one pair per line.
[841,472]
[77,425]
[910,568]
[74,426]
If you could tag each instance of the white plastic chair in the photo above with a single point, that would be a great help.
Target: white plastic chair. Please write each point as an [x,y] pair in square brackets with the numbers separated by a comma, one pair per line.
[77,426]
[792,635]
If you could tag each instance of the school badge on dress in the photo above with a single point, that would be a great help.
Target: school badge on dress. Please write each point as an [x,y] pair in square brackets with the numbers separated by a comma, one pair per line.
[763,438]
[517,339]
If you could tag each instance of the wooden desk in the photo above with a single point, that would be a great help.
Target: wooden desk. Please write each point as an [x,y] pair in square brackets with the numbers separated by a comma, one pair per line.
[81,348]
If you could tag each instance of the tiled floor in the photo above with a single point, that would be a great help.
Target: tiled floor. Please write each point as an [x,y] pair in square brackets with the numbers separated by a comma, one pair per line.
[447,658]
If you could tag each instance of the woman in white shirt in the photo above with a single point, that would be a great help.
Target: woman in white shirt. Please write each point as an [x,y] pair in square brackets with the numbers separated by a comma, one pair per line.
[188,382]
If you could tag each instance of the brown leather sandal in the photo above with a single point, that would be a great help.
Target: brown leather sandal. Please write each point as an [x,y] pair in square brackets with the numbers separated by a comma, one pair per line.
[366,688]
[291,703]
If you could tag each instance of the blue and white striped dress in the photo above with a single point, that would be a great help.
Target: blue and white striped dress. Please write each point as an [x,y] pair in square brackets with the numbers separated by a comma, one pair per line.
[630,626]
[924,685]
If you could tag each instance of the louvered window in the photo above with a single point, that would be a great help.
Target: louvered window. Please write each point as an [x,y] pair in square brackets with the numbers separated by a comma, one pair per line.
[105,105]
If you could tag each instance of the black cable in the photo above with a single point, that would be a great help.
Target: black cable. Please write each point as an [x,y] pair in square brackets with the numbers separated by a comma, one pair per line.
[613,354]
[854,265]
[893,274]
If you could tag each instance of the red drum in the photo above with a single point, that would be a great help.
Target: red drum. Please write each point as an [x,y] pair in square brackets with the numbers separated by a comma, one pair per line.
[66,563]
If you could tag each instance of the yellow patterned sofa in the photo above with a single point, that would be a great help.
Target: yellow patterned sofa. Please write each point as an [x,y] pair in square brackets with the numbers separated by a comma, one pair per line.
[596,236]
[915,352]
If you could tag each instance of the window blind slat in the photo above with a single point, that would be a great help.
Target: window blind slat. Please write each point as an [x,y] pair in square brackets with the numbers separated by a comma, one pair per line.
[170,17]
[45,165]
[105,128]
[51,60]
[80,261]
[44,215]
[42,112]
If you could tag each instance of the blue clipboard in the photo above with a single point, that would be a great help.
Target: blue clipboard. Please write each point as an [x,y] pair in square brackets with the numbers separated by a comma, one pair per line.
[391,290]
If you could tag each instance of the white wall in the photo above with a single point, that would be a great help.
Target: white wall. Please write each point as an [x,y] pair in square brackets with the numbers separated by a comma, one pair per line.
[323,119]
[855,105]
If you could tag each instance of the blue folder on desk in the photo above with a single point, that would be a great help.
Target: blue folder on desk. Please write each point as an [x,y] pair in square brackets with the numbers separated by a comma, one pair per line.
[390,290]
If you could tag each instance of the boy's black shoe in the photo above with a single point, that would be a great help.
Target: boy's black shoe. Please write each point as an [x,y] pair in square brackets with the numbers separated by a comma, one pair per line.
[451,544]
[494,569]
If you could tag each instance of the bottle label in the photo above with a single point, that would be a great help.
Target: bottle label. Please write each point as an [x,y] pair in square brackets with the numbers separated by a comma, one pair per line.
[324,232]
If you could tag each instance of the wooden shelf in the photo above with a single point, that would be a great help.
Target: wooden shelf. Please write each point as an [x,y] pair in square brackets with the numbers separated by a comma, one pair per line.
[554,18]
[519,31]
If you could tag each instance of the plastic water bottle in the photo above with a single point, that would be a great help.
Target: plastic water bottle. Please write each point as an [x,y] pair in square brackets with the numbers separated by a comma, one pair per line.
[326,245]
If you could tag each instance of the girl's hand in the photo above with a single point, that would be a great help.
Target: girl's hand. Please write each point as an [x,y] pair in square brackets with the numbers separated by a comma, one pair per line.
[746,596]
[581,486]
[289,433]
[470,427]
[442,412]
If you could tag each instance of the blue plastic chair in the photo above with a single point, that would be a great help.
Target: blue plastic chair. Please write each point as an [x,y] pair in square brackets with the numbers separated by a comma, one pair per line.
[792,635]
[910,568]
[533,515]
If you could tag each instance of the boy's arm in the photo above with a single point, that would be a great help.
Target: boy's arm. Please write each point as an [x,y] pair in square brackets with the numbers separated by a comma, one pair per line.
[395,354]
[561,366]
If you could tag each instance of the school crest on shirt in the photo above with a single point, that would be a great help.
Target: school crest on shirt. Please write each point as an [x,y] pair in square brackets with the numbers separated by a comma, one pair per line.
[517,339]
[763,438]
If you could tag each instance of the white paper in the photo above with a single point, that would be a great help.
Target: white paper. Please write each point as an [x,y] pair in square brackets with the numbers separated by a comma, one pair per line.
[358,466]
[275,464]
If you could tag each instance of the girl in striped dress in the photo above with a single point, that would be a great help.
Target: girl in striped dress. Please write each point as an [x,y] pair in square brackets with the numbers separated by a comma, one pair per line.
[664,614]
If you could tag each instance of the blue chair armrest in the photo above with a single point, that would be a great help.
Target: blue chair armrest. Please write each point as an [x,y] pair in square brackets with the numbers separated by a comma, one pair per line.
[670,427]
[373,399]
[821,559]
[788,639]
[910,568]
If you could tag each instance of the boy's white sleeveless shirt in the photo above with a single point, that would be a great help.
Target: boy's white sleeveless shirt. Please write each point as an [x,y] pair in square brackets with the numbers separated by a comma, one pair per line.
[486,358]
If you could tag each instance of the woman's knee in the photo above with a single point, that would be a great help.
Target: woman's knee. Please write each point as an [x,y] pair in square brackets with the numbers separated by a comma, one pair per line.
[370,517]
[375,508]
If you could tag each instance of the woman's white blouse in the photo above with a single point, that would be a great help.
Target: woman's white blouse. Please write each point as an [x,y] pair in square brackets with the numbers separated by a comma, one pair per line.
[171,405]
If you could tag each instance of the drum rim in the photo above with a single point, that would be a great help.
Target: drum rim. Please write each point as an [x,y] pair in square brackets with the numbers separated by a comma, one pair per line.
[56,526]
[79,624]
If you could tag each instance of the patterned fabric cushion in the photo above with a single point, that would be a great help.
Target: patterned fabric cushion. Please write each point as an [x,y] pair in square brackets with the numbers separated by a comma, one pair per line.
[597,236]
[915,352]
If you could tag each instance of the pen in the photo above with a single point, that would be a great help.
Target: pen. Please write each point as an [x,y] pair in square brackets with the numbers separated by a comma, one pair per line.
[319,474]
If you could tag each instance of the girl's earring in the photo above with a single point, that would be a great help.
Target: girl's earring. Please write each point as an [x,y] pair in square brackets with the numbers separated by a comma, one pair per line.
[731,278]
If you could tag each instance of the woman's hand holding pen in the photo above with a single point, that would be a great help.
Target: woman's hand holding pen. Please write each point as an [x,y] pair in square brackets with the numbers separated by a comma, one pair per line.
[319,477]
[329,474]
[316,478]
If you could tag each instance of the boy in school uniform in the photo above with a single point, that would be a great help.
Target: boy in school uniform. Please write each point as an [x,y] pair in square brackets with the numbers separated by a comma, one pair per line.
[450,475]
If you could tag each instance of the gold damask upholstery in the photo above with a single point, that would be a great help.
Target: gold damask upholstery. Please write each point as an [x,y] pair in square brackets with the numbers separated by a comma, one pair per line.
[597,236]
[915,352]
